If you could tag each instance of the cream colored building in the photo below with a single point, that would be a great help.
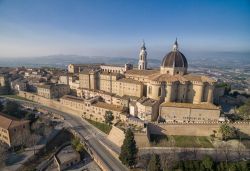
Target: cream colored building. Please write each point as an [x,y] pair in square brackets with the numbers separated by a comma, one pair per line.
[145,109]
[2,80]
[52,91]
[66,158]
[170,83]
[76,68]
[94,108]
[116,69]
[189,113]
[13,130]
[111,82]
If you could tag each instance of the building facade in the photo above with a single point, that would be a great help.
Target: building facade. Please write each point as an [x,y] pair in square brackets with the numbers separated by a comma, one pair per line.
[13,131]
[52,91]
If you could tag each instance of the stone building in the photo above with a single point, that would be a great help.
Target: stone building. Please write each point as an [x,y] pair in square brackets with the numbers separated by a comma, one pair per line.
[171,83]
[2,80]
[116,68]
[12,130]
[66,158]
[110,82]
[93,108]
[52,91]
[145,109]
[76,68]
[142,63]
[189,113]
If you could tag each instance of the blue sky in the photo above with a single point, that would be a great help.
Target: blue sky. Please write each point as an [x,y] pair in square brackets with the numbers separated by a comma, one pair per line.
[117,27]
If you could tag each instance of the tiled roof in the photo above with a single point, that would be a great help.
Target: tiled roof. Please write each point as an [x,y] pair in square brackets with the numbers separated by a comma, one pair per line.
[108,106]
[141,72]
[7,121]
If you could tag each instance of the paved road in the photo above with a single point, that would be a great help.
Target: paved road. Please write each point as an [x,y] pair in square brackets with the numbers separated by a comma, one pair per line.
[91,134]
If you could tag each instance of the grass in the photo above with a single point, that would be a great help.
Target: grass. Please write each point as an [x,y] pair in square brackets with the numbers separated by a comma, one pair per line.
[180,141]
[101,126]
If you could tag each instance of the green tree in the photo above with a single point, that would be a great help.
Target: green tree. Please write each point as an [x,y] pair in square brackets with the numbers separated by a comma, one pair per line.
[208,163]
[77,145]
[154,163]
[13,108]
[244,111]
[129,150]
[226,131]
[108,117]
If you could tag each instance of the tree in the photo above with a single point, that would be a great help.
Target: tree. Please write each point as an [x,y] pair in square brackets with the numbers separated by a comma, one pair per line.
[3,153]
[13,108]
[77,145]
[129,150]
[244,111]
[207,162]
[154,163]
[226,131]
[108,117]
[1,106]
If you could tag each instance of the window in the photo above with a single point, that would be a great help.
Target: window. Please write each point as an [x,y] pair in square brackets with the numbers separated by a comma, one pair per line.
[149,89]
[159,92]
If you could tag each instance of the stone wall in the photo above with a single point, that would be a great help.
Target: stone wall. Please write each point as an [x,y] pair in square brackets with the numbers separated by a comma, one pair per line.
[196,129]
[116,135]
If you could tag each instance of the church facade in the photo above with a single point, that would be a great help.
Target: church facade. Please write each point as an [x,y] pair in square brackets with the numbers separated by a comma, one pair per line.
[170,85]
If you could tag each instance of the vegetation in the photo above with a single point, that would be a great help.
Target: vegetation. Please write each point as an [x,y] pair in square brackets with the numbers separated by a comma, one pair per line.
[180,141]
[129,150]
[101,126]
[48,151]
[1,106]
[15,97]
[77,145]
[154,163]
[3,151]
[207,164]
[227,131]
[13,109]
[244,111]
[108,117]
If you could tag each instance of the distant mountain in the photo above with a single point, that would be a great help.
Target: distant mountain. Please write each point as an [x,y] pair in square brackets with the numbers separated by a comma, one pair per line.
[223,59]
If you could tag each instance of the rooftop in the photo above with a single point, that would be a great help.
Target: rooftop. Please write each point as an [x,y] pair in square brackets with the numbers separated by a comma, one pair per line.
[141,72]
[108,106]
[67,154]
[147,101]
[7,121]
[191,105]
[72,98]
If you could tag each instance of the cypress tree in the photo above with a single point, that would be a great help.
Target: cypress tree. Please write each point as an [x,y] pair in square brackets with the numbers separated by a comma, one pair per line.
[129,150]
[154,163]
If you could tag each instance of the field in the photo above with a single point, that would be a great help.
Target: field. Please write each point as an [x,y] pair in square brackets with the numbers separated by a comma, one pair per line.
[180,141]
[101,126]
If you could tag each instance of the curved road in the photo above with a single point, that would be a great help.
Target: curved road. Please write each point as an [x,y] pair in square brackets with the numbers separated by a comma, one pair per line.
[90,133]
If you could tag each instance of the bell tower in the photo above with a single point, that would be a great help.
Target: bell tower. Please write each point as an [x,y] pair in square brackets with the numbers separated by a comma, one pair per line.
[142,64]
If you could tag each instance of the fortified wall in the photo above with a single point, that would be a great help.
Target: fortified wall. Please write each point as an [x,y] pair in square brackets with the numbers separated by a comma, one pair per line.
[196,129]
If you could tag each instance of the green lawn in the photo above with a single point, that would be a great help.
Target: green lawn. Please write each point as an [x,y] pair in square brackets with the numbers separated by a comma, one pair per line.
[102,126]
[180,141]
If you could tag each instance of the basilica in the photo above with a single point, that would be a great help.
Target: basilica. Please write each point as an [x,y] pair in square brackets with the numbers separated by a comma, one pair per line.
[170,91]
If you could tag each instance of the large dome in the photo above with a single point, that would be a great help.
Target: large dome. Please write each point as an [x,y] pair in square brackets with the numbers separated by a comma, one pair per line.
[174,59]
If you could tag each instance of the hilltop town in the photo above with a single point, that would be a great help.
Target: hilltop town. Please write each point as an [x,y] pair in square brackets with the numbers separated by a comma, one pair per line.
[152,102]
